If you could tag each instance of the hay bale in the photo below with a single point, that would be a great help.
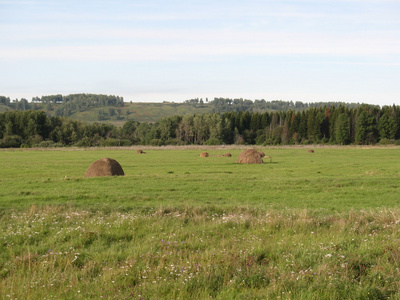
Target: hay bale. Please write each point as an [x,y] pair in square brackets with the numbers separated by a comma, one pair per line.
[250,156]
[140,151]
[310,151]
[227,155]
[204,154]
[262,154]
[104,167]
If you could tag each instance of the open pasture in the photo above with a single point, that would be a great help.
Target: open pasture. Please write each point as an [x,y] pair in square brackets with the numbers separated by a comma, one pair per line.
[322,225]
[334,179]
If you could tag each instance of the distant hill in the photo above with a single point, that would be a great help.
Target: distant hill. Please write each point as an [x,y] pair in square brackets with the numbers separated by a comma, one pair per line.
[112,109]
[142,112]
[4,108]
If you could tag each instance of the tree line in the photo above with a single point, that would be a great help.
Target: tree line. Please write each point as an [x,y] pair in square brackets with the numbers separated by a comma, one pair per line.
[341,125]
[111,105]
[78,102]
[221,105]
[364,124]
[64,105]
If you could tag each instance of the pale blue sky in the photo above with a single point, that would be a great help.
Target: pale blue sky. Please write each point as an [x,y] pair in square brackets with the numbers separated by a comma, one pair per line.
[148,50]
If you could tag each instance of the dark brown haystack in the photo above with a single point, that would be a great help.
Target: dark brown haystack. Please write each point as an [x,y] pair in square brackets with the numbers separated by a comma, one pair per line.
[310,151]
[204,154]
[250,156]
[227,155]
[140,152]
[104,167]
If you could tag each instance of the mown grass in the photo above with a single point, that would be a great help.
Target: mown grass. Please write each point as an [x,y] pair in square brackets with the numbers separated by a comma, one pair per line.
[306,226]
[331,179]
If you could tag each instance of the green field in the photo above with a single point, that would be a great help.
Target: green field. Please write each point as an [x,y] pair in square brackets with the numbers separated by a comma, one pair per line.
[331,179]
[4,108]
[142,112]
[323,225]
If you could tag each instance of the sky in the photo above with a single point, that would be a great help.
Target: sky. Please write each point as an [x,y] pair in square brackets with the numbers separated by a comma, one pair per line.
[158,50]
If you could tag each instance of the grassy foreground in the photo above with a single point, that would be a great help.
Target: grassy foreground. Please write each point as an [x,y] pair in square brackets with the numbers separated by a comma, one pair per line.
[323,225]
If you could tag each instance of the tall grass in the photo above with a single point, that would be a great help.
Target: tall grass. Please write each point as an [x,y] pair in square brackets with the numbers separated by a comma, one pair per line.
[61,253]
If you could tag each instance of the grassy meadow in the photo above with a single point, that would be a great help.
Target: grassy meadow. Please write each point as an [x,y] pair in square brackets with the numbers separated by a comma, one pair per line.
[142,112]
[323,225]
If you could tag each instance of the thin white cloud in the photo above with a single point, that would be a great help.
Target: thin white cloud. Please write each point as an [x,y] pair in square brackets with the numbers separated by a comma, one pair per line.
[187,44]
[14,2]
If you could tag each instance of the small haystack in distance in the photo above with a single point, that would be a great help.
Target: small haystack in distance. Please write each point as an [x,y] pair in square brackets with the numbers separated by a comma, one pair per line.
[104,167]
[310,151]
[250,156]
[204,154]
[224,155]
[140,152]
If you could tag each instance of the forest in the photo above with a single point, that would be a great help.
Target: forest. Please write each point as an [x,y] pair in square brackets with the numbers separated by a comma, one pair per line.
[337,125]
[64,105]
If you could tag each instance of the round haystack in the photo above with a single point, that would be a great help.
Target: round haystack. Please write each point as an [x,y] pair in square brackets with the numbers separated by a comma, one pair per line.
[262,154]
[140,152]
[104,167]
[204,154]
[250,156]
[227,155]
[310,151]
